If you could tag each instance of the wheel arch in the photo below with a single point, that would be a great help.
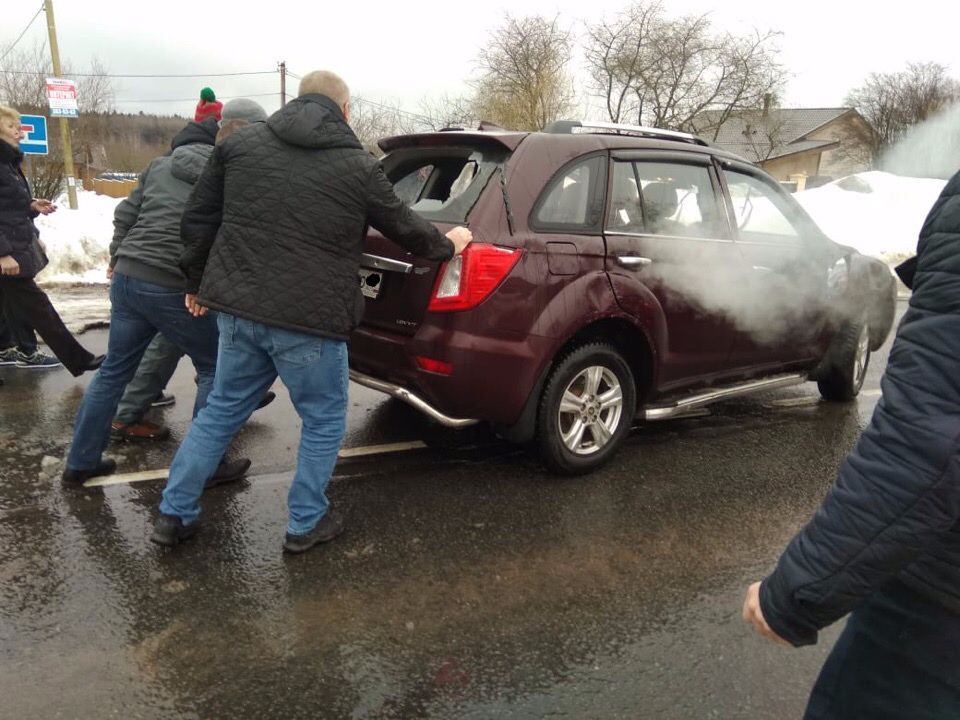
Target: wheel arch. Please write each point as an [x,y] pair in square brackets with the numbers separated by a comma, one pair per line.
[627,337]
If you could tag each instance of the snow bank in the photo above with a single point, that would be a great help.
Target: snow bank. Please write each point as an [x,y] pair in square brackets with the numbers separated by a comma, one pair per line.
[878,213]
[78,241]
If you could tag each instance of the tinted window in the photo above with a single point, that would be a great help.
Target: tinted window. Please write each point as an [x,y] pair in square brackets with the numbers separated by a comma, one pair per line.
[761,212]
[567,200]
[664,199]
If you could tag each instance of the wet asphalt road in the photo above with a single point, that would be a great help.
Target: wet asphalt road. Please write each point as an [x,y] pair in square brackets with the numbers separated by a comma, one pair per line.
[469,584]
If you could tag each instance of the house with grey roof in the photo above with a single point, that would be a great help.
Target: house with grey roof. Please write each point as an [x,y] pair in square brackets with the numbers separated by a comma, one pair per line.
[794,144]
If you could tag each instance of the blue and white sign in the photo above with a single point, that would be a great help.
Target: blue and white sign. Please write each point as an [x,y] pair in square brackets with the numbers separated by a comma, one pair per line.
[34,140]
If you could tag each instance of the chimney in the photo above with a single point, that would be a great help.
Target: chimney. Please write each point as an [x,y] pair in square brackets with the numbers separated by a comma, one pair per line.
[767,99]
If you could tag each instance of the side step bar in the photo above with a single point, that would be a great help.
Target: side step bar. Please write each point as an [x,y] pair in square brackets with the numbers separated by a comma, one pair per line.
[660,411]
[683,405]
[411,399]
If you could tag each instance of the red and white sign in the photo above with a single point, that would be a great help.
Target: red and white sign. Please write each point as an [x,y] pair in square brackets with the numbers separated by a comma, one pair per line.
[62,96]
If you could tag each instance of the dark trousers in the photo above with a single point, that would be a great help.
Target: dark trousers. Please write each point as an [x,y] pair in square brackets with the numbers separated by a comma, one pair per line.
[15,331]
[22,297]
[898,658]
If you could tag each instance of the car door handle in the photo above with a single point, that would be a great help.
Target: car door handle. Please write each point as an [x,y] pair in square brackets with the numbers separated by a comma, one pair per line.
[633,262]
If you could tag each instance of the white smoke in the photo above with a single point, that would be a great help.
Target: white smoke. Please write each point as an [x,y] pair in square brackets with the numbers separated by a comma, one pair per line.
[930,149]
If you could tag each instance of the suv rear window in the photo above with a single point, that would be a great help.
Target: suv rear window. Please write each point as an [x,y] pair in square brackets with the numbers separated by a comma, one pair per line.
[442,183]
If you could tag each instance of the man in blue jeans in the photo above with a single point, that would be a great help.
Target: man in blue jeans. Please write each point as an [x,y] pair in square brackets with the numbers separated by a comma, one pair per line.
[147,297]
[273,234]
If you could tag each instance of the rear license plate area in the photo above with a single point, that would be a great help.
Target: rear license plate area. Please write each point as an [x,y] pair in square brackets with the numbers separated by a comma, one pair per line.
[370,282]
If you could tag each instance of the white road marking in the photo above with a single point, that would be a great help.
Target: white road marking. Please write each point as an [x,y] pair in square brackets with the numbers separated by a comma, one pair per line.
[793,402]
[163,473]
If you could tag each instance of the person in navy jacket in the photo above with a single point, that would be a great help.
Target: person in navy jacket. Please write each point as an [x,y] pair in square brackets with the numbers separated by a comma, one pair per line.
[885,544]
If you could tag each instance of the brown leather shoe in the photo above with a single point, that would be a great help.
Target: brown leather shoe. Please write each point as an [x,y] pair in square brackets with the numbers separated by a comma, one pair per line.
[138,432]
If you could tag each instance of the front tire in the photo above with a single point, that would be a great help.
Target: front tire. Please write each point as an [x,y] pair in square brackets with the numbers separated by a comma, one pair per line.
[586,409]
[847,363]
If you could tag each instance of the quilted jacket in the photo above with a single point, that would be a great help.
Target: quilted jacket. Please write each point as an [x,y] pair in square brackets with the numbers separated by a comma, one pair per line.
[274,228]
[894,512]
[16,216]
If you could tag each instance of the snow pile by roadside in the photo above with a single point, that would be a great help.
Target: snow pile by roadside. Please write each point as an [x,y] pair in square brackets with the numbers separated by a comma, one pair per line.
[877,213]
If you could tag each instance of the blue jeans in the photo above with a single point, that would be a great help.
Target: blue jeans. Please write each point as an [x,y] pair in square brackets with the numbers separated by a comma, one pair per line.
[139,311]
[251,356]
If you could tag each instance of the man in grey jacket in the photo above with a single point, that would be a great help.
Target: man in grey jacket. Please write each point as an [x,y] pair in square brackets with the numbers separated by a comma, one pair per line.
[147,297]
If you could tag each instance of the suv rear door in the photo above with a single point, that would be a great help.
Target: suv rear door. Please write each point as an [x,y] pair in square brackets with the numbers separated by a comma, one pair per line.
[666,234]
[442,182]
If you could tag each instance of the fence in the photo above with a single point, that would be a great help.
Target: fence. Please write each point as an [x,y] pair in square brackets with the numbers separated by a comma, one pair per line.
[112,188]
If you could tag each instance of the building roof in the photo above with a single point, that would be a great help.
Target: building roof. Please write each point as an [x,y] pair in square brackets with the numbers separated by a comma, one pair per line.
[782,132]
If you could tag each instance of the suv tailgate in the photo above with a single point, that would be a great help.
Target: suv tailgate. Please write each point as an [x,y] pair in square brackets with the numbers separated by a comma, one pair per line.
[397,285]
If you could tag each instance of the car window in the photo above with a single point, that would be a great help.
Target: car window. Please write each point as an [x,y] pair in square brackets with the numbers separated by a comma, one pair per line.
[761,213]
[442,183]
[566,202]
[664,199]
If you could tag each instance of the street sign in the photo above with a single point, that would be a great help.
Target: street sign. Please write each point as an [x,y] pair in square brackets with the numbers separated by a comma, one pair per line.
[62,96]
[34,141]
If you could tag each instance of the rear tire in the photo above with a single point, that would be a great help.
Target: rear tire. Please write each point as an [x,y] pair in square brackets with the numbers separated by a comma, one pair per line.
[846,366]
[586,409]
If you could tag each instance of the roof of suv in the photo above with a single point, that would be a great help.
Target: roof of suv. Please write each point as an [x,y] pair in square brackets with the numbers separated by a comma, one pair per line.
[614,135]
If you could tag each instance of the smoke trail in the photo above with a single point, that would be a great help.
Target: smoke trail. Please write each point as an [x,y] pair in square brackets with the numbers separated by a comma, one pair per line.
[930,149]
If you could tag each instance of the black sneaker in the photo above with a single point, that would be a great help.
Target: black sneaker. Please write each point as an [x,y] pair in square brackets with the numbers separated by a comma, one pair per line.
[329,527]
[9,356]
[228,472]
[36,360]
[163,399]
[93,364]
[268,398]
[169,530]
[75,478]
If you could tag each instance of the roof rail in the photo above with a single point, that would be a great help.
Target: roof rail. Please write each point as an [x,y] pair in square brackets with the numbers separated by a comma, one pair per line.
[590,126]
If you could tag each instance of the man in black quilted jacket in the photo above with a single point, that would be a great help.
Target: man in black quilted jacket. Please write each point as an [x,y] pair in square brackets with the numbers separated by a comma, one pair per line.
[273,235]
[885,544]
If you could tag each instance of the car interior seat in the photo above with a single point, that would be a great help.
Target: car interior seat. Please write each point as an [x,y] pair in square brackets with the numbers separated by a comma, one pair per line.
[660,202]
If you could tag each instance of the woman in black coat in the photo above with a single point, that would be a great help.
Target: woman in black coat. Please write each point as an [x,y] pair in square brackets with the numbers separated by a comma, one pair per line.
[19,263]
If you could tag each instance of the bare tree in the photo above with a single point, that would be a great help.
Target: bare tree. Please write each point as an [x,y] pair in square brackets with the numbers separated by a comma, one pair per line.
[892,103]
[523,82]
[447,111]
[668,72]
[618,53]
[372,121]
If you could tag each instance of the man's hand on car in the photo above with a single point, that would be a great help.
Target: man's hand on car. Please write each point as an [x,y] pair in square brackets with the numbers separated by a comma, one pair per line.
[460,237]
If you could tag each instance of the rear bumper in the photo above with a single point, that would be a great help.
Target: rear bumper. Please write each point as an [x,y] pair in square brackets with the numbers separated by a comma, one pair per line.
[492,377]
[410,398]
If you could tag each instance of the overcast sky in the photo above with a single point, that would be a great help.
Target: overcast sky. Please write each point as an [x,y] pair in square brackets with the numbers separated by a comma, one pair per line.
[397,53]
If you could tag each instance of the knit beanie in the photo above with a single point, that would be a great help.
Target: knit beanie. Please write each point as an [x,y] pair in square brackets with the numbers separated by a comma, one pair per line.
[242,109]
[207,95]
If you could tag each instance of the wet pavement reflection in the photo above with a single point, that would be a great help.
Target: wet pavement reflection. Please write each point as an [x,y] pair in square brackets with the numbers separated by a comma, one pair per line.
[469,583]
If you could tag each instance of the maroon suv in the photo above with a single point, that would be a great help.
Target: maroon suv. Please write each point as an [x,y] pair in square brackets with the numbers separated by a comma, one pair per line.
[616,273]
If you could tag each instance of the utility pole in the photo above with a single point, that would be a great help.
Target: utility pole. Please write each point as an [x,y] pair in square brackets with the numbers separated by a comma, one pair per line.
[283,83]
[64,129]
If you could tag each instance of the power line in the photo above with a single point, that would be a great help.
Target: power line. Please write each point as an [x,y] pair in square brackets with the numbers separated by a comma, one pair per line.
[219,97]
[20,37]
[108,75]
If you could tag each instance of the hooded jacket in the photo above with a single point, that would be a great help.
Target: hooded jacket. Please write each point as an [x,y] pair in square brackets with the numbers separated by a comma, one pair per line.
[146,225]
[893,514]
[16,217]
[275,227]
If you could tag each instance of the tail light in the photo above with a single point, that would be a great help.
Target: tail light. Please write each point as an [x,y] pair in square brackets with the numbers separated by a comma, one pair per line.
[466,280]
